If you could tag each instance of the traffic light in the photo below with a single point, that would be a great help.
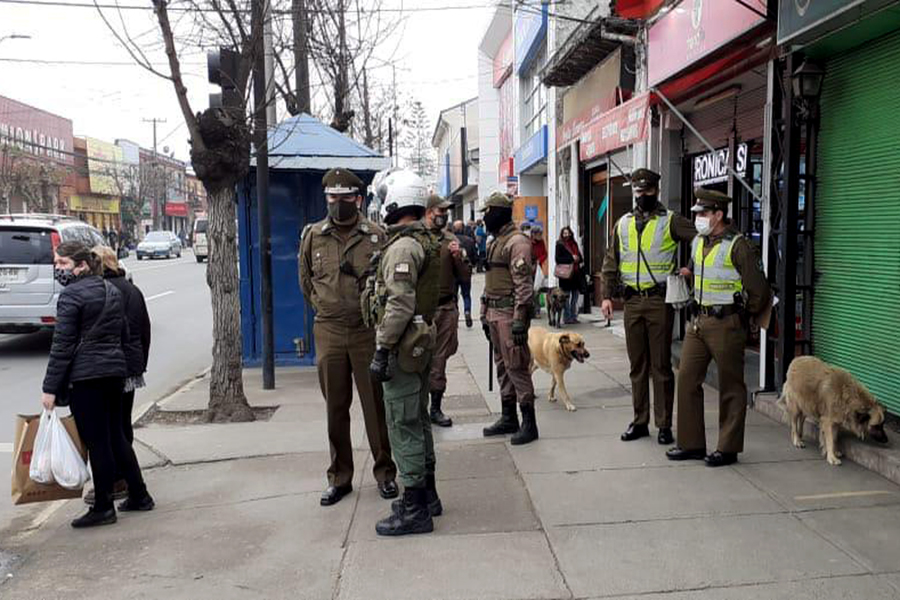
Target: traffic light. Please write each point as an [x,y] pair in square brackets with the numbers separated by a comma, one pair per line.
[222,70]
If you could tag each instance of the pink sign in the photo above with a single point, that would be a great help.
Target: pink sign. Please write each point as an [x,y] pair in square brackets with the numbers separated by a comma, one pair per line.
[573,128]
[622,126]
[503,61]
[693,29]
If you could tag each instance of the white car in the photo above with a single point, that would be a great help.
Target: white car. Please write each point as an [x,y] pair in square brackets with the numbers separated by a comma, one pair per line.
[28,290]
[159,244]
[200,241]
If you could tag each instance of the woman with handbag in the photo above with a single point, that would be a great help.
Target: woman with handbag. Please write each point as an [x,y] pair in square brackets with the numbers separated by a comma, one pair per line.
[86,371]
[569,271]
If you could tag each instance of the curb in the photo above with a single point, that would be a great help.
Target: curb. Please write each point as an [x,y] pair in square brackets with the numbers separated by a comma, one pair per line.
[141,412]
[884,460]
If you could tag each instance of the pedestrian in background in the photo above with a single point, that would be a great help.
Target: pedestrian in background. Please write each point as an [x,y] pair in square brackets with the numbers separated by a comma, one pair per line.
[568,253]
[481,237]
[335,256]
[467,243]
[539,255]
[87,370]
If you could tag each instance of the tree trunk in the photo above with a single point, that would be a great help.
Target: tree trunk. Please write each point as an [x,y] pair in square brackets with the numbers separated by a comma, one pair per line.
[367,113]
[301,56]
[227,402]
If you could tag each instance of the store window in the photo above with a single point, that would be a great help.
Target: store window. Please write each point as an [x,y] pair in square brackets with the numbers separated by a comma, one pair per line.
[534,113]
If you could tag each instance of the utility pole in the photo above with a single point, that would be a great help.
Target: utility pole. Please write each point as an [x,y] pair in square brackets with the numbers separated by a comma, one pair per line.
[261,143]
[301,55]
[156,210]
[394,108]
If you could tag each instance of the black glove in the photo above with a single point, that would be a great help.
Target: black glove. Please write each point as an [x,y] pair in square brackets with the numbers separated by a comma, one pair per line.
[486,329]
[520,333]
[380,368]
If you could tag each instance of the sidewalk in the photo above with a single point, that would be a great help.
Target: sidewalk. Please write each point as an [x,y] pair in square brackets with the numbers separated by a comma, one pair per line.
[577,514]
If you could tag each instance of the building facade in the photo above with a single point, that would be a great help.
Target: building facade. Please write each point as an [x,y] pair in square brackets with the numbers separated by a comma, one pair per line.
[456,141]
[164,181]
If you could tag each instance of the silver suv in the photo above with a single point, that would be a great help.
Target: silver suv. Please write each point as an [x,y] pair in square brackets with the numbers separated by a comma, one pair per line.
[28,291]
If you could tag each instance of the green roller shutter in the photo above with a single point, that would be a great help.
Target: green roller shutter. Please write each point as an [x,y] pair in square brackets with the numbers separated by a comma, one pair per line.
[856,318]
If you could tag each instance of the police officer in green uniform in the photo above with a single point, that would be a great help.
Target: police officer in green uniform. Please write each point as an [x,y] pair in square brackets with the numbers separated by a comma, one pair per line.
[641,257]
[334,260]
[506,308]
[729,289]
[402,299]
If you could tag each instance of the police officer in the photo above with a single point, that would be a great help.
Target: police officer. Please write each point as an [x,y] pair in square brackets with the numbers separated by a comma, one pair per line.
[641,257]
[506,316]
[729,288]
[454,271]
[334,258]
[403,298]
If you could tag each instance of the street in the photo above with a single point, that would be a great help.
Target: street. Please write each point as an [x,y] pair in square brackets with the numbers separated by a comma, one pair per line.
[178,301]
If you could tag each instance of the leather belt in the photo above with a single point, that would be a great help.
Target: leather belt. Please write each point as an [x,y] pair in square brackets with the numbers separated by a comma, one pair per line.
[719,311]
[506,302]
[656,290]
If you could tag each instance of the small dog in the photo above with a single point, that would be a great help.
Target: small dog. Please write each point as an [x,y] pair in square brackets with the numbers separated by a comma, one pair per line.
[556,303]
[834,398]
[553,353]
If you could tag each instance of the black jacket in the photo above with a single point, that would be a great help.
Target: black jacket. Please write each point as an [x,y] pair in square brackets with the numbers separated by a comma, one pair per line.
[79,307]
[137,350]
[468,244]
[564,257]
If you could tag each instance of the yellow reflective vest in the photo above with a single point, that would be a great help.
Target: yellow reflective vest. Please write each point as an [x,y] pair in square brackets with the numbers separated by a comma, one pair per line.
[657,245]
[716,280]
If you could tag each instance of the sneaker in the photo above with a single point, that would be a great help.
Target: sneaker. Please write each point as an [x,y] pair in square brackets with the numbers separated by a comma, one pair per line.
[93,518]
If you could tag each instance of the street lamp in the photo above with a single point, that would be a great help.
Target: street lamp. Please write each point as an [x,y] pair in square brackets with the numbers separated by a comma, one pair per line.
[15,36]
[807,82]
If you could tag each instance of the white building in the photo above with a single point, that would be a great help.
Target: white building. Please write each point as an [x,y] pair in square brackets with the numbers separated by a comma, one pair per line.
[456,139]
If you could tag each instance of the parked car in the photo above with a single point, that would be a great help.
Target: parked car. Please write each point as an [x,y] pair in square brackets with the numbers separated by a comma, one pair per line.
[159,244]
[28,291]
[201,244]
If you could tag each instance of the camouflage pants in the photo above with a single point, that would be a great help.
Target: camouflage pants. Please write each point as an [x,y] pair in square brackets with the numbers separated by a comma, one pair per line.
[409,426]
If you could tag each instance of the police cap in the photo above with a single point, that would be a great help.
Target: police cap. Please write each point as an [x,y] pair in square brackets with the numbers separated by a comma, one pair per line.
[497,199]
[435,201]
[710,200]
[642,179]
[342,181]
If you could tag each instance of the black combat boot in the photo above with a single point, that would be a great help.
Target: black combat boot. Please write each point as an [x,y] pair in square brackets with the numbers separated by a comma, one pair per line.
[508,421]
[434,502]
[437,416]
[412,517]
[529,431]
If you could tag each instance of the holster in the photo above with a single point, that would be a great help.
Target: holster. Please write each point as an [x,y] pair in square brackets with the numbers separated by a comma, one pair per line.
[416,346]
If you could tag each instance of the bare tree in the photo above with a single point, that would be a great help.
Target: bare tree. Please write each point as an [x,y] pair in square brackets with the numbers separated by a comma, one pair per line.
[36,182]
[417,142]
[220,156]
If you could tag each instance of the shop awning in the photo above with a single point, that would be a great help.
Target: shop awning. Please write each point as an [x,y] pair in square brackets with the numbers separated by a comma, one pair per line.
[637,9]
[586,48]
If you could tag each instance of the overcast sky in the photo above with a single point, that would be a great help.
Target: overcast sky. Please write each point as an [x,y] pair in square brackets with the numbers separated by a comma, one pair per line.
[436,63]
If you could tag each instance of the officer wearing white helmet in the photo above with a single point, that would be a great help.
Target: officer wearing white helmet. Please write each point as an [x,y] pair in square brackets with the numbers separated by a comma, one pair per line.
[400,301]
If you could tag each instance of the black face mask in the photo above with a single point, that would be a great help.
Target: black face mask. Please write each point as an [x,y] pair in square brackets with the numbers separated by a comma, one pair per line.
[647,203]
[439,222]
[64,276]
[342,212]
[495,218]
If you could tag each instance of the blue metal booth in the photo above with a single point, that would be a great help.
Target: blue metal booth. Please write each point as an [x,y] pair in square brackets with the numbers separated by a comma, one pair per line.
[301,150]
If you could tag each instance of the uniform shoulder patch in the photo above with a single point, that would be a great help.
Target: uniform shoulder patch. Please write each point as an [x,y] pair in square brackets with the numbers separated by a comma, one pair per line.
[402,272]
[520,265]
[374,238]
[401,267]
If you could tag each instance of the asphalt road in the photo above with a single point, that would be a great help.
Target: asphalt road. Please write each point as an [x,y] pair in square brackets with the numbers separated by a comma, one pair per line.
[178,301]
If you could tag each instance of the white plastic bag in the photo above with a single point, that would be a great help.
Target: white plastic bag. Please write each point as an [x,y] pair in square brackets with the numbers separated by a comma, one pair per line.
[41,470]
[677,292]
[68,467]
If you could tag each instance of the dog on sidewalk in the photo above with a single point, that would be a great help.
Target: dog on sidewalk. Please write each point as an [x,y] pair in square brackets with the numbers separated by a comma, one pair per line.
[556,303]
[834,398]
[554,353]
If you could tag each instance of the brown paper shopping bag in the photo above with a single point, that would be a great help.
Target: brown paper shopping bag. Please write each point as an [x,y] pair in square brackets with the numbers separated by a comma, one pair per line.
[24,490]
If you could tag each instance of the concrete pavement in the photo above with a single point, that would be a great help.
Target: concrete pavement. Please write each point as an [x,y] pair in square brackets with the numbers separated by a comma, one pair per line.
[577,514]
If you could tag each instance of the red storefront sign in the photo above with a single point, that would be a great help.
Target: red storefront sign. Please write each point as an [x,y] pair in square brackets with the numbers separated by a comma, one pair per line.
[693,29]
[573,128]
[637,9]
[176,209]
[503,61]
[622,126]
[506,169]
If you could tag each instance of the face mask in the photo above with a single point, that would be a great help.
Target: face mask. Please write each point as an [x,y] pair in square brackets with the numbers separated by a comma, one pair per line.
[496,218]
[341,211]
[439,221]
[703,225]
[646,203]
[64,276]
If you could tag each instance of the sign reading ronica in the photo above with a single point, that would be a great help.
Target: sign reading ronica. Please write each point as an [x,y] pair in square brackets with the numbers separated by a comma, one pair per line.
[34,131]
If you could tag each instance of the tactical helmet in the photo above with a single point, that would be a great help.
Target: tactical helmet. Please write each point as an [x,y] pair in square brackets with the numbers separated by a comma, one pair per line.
[398,189]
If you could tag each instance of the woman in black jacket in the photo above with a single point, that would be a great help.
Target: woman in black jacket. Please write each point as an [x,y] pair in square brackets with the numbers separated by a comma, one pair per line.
[568,253]
[87,366]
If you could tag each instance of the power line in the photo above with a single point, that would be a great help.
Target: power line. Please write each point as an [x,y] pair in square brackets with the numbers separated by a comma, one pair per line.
[59,3]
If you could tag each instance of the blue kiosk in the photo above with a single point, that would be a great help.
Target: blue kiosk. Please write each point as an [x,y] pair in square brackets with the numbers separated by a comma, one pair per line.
[301,150]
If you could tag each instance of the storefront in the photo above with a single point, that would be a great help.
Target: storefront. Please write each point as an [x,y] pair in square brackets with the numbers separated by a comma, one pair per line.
[856,200]
[100,211]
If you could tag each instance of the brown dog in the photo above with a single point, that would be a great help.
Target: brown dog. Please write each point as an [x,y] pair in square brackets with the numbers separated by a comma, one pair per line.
[554,353]
[834,398]
[556,302]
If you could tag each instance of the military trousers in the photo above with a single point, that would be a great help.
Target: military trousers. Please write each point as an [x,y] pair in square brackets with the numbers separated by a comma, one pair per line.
[343,355]
[721,340]
[648,339]
[446,323]
[409,426]
[513,362]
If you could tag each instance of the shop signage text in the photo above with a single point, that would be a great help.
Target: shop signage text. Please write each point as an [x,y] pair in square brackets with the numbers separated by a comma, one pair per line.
[35,131]
[531,27]
[503,61]
[94,204]
[105,167]
[797,16]
[622,126]
[712,167]
[176,209]
[695,28]
[533,151]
